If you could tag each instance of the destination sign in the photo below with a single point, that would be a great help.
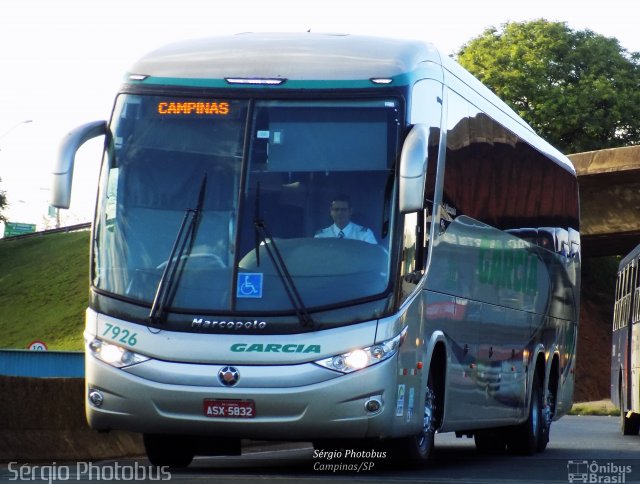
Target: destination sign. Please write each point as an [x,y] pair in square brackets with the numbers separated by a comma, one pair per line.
[190,108]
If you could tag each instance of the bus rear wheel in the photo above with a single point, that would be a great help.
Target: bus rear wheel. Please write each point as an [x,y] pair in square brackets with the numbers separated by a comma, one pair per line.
[525,439]
[548,410]
[169,450]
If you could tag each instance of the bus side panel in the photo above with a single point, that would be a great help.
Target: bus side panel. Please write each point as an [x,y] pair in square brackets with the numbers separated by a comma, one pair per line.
[633,378]
[619,367]
[618,349]
[492,281]
[634,327]
[625,361]
[408,396]
[567,355]
[457,320]
[500,291]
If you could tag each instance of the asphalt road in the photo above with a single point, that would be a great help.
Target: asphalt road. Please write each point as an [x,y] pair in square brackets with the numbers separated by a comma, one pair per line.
[582,449]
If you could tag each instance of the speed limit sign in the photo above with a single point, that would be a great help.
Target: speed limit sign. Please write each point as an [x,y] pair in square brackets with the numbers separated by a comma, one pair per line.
[37,346]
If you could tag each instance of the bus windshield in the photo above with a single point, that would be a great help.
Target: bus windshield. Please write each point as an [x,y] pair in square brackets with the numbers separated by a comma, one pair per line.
[310,180]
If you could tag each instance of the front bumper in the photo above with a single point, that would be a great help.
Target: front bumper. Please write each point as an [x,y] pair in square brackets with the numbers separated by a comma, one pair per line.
[296,402]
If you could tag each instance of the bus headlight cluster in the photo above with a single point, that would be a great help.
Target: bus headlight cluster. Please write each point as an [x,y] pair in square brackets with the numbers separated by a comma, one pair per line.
[114,355]
[360,358]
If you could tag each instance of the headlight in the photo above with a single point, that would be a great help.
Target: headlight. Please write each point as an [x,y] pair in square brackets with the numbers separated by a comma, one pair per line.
[114,355]
[360,358]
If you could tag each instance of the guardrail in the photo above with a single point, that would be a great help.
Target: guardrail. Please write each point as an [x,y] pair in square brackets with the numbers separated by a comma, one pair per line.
[68,228]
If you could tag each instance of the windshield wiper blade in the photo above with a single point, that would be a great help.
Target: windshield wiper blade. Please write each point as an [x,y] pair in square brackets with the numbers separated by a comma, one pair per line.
[184,239]
[264,236]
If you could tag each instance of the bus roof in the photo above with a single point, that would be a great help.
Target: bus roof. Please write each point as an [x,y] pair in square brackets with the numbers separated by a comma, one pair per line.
[291,56]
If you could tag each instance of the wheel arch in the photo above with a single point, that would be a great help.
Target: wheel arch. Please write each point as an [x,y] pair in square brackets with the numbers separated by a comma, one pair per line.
[539,374]
[553,376]
[437,367]
[552,385]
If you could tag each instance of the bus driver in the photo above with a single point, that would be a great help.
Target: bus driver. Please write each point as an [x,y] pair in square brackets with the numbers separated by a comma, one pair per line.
[340,210]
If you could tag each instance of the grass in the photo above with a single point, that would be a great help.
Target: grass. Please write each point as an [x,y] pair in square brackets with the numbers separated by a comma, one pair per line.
[601,407]
[44,290]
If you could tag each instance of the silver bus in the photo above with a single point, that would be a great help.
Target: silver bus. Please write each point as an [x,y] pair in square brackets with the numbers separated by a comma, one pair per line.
[225,302]
[625,354]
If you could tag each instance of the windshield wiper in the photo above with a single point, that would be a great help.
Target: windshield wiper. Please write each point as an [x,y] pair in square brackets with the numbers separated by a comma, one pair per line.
[263,236]
[181,245]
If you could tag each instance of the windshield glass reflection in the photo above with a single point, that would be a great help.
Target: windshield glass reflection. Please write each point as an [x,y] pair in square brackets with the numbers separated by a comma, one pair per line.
[317,176]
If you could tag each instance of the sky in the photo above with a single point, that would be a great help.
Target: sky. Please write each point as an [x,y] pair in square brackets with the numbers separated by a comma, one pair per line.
[62,61]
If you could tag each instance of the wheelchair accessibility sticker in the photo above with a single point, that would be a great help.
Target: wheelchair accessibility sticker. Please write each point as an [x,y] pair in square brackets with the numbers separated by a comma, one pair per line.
[249,285]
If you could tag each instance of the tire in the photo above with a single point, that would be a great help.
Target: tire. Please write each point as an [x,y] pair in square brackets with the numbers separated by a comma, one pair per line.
[629,423]
[418,450]
[526,438]
[169,450]
[547,418]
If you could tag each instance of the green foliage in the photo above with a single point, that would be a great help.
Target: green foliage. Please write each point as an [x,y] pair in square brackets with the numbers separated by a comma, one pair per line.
[600,408]
[578,89]
[44,290]
[3,204]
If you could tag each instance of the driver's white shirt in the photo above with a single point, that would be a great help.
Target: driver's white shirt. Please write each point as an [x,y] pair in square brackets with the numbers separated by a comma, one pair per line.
[351,231]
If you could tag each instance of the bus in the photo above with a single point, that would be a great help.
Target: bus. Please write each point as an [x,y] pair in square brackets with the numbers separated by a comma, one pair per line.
[625,384]
[222,310]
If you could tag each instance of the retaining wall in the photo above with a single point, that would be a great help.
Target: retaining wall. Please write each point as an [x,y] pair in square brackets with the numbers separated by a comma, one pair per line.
[42,419]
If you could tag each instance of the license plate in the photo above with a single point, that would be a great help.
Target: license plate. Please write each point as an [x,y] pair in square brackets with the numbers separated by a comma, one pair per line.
[230,408]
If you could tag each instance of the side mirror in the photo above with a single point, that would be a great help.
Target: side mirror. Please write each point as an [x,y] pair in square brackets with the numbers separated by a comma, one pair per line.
[413,169]
[63,174]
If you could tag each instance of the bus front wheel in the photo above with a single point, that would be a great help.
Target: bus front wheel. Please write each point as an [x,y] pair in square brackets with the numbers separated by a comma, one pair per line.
[418,449]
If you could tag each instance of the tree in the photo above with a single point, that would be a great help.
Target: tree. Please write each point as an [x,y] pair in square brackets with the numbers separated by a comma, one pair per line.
[3,204]
[578,89]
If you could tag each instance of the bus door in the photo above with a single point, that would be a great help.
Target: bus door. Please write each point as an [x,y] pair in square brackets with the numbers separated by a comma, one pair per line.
[633,336]
[625,336]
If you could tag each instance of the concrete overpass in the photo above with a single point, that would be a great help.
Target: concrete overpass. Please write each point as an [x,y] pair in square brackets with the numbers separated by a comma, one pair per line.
[609,200]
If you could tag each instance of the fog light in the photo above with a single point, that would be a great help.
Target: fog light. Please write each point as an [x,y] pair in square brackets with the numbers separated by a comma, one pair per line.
[373,405]
[96,398]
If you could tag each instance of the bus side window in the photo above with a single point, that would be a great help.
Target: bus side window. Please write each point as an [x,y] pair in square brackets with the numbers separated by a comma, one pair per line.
[615,304]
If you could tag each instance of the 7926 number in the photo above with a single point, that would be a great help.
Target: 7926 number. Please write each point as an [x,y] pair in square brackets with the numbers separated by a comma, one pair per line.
[121,335]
